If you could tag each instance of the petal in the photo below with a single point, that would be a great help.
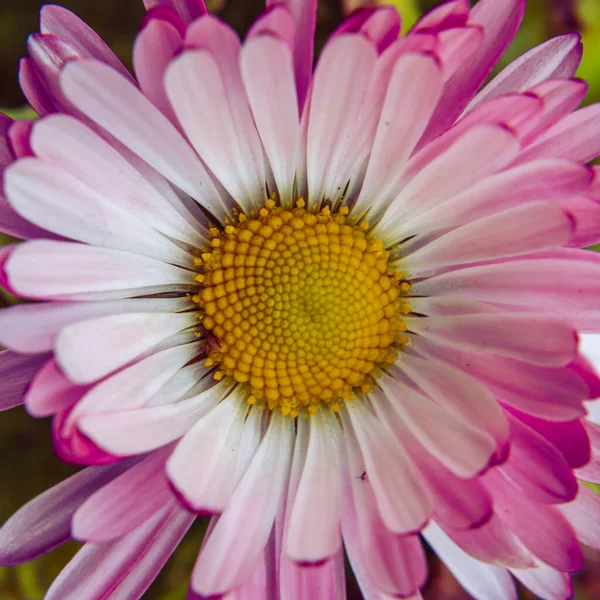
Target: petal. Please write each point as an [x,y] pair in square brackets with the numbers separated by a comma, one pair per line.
[46,269]
[235,544]
[125,503]
[126,567]
[17,371]
[591,471]
[45,522]
[118,339]
[584,516]
[545,582]
[216,437]
[313,526]
[268,75]
[390,473]
[123,111]
[188,10]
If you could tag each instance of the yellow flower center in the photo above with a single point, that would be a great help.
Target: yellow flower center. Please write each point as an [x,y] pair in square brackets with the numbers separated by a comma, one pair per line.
[301,307]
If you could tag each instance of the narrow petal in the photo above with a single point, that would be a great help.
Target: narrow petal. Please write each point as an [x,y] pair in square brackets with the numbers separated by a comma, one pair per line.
[313,529]
[584,516]
[118,339]
[44,269]
[121,109]
[45,522]
[483,582]
[17,371]
[235,544]
[124,568]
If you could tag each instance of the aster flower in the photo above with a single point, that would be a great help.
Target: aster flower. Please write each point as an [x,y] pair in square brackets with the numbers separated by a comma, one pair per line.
[341,310]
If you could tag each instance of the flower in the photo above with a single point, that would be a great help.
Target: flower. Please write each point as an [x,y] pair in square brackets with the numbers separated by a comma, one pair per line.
[346,309]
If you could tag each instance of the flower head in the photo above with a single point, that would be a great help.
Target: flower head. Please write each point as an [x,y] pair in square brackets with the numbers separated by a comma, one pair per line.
[346,309]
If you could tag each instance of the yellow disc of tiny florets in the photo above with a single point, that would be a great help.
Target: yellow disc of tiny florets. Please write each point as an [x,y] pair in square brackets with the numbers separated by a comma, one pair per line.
[301,306]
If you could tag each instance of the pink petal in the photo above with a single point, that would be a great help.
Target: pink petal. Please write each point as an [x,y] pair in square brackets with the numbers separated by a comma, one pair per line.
[14,225]
[500,22]
[19,138]
[17,371]
[541,340]
[135,431]
[545,582]
[216,438]
[584,516]
[32,328]
[586,213]
[391,473]
[463,449]
[45,522]
[457,45]
[453,13]
[313,526]
[542,529]
[276,21]
[61,22]
[380,25]
[389,563]
[399,131]
[236,542]
[118,339]
[536,467]
[591,471]
[47,269]
[87,157]
[126,567]
[554,59]
[458,393]
[155,46]
[125,503]
[123,111]
[304,13]
[51,392]
[188,10]
[55,200]
[268,75]
[341,80]
[33,89]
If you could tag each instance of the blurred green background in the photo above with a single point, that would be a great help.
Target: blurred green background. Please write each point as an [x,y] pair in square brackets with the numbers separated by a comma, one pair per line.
[27,464]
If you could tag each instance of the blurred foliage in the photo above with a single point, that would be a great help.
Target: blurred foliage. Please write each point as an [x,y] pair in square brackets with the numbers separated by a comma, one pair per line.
[29,465]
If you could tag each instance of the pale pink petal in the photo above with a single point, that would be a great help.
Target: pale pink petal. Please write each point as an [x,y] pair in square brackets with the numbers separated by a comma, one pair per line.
[216,438]
[51,392]
[188,10]
[187,382]
[19,139]
[536,467]
[391,473]
[463,449]
[13,224]
[545,582]
[117,339]
[482,581]
[47,269]
[551,394]
[276,21]
[126,567]
[32,328]
[456,46]
[53,199]
[86,156]
[385,562]
[555,59]
[34,90]
[380,25]
[155,46]
[541,528]
[591,471]
[125,503]
[313,525]
[127,432]
[268,75]
[17,371]
[542,180]
[45,522]
[399,131]
[459,393]
[341,80]
[584,516]
[586,214]
[542,340]
[123,111]
[194,79]
[236,542]
[61,22]
[480,152]
[304,13]
[453,13]
[500,21]
[574,138]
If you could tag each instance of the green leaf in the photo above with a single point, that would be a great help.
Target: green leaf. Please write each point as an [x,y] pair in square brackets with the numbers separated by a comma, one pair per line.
[24,112]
